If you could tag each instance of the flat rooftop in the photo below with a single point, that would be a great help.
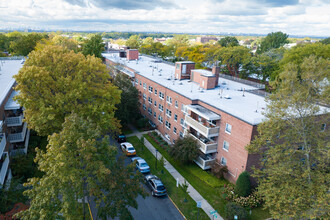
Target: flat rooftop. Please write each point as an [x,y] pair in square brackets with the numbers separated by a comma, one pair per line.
[9,68]
[227,97]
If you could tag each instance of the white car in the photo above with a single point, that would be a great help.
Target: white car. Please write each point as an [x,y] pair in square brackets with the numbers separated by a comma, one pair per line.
[128,149]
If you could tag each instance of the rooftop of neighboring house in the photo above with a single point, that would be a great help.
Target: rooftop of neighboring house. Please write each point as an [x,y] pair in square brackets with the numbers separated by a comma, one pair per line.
[8,68]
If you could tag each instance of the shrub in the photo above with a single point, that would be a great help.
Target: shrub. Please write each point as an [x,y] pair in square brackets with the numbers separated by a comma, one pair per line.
[232,209]
[243,185]
[218,170]
[185,150]
[251,201]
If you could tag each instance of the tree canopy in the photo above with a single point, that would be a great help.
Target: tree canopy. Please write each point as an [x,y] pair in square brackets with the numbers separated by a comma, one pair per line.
[134,42]
[93,46]
[185,149]
[54,82]
[79,164]
[228,41]
[24,44]
[127,109]
[293,141]
[272,40]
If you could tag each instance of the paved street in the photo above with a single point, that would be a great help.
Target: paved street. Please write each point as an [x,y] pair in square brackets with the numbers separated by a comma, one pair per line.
[150,207]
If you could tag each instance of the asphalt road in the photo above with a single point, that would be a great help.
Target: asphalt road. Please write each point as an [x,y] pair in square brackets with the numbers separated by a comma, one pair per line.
[160,208]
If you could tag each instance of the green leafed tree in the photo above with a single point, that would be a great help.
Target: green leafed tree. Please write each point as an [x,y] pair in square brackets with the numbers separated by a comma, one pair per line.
[272,40]
[134,42]
[293,141]
[26,43]
[54,82]
[79,164]
[126,110]
[243,184]
[325,41]
[4,42]
[185,149]
[93,46]
[228,41]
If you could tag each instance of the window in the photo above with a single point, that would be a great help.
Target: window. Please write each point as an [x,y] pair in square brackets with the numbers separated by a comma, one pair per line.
[161,95]
[149,111]
[181,134]
[155,114]
[168,112]
[174,130]
[150,100]
[144,96]
[150,89]
[167,136]
[155,104]
[160,107]
[173,141]
[168,100]
[182,122]
[144,107]
[223,161]
[183,108]
[145,85]
[178,66]
[136,81]
[225,145]
[228,128]
[176,104]
[155,91]
[175,117]
[160,119]
[140,82]
[168,125]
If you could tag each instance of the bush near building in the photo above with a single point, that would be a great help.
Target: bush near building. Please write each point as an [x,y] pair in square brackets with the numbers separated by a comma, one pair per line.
[243,185]
[233,209]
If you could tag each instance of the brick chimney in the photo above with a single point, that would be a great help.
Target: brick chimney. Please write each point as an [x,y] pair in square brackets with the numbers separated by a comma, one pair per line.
[183,69]
[132,54]
[216,72]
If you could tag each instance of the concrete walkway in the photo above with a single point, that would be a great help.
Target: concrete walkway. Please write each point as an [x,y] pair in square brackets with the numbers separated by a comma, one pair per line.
[191,190]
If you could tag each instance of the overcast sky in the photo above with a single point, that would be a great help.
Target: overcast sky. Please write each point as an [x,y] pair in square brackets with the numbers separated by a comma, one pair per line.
[295,17]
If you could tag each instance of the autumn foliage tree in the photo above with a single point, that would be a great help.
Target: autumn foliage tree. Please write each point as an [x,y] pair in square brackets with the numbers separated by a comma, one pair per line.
[293,141]
[78,163]
[55,81]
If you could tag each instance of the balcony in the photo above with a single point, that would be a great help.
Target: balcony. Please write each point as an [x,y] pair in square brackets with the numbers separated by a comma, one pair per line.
[14,121]
[21,148]
[207,146]
[17,134]
[4,163]
[3,143]
[205,129]
[205,162]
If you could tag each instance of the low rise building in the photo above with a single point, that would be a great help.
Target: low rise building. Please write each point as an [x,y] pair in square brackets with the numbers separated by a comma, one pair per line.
[14,134]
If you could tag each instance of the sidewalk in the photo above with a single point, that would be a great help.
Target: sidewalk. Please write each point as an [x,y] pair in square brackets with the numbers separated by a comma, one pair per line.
[192,191]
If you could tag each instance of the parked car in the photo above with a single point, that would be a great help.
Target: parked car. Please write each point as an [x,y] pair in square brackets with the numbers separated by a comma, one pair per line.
[156,185]
[141,164]
[128,149]
[121,138]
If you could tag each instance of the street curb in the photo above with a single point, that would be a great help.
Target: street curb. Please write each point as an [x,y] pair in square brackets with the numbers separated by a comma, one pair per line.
[176,207]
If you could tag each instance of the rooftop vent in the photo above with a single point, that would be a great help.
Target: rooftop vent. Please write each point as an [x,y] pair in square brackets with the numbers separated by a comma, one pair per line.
[227,97]
[180,83]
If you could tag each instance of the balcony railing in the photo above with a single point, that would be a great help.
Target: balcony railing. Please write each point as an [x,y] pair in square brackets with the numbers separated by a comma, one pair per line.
[205,163]
[205,130]
[14,121]
[4,163]
[18,137]
[21,148]
[208,147]
[3,143]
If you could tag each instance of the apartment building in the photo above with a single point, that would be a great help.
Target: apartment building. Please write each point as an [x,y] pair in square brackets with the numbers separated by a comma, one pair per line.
[221,113]
[14,134]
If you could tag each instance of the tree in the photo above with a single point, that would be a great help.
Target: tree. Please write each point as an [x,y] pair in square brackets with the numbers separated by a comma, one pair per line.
[11,194]
[126,110]
[325,41]
[228,41]
[54,82]
[185,149]
[232,209]
[233,57]
[273,40]
[93,46]
[4,42]
[26,43]
[243,184]
[294,173]
[77,164]
[134,42]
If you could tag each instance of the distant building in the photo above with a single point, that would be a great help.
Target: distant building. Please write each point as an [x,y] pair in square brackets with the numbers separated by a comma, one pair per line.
[205,39]
[14,134]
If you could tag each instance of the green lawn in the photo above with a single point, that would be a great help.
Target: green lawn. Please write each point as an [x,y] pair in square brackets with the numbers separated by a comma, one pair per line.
[206,184]
[188,208]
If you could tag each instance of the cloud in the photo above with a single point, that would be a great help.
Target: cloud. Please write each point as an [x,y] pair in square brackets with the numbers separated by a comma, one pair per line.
[123,4]
[278,3]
